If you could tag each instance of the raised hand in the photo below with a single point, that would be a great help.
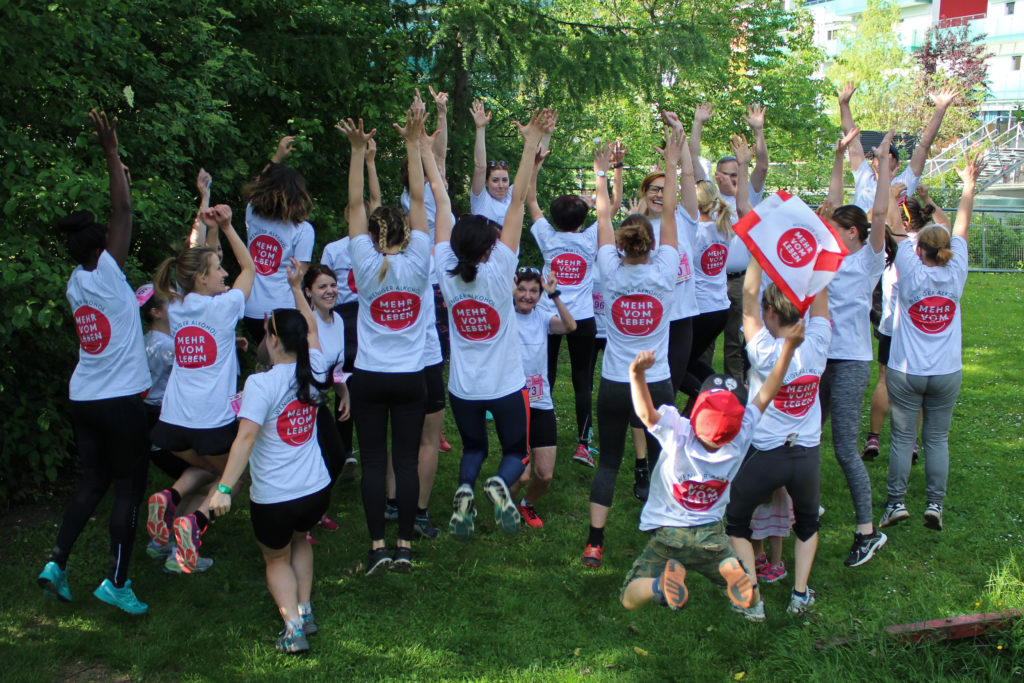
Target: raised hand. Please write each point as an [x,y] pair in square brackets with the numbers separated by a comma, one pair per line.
[844,142]
[203,181]
[922,192]
[636,205]
[294,273]
[539,122]
[897,190]
[944,97]
[602,158]
[755,117]
[618,152]
[882,151]
[675,138]
[549,124]
[480,117]
[671,119]
[972,168]
[219,215]
[795,334]
[551,284]
[643,362]
[740,149]
[703,112]
[355,133]
[440,100]
[826,209]
[846,92]
[371,149]
[106,131]
[284,148]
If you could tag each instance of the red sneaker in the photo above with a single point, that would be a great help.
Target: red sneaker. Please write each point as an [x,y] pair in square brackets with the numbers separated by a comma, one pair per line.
[583,456]
[444,446]
[530,516]
[160,520]
[311,540]
[187,539]
[592,555]
[328,524]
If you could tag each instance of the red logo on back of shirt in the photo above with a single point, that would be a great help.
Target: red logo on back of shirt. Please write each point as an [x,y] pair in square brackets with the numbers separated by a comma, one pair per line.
[932,314]
[93,329]
[699,495]
[797,397]
[712,261]
[475,320]
[296,422]
[266,253]
[796,247]
[351,280]
[194,347]
[636,315]
[569,269]
[395,310]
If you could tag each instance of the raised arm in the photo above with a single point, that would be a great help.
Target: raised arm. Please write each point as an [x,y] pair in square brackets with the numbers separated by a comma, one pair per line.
[198,236]
[480,119]
[942,100]
[536,213]
[846,121]
[605,232]
[835,184]
[773,382]
[439,146]
[512,230]
[372,181]
[642,403]
[545,138]
[938,215]
[443,217]
[755,119]
[675,147]
[752,323]
[564,323]
[618,161]
[741,150]
[897,210]
[119,235]
[881,206]
[221,215]
[410,132]
[355,213]
[700,115]
[294,271]
[969,174]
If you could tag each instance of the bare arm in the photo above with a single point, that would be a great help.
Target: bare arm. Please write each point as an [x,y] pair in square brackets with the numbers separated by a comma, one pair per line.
[938,215]
[480,118]
[221,215]
[602,159]
[641,395]
[443,217]
[835,185]
[942,100]
[355,213]
[819,307]
[773,382]
[440,143]
[564,323]
[846,121]
[675,147]
[414,118]
[512,230]
[238,459]
[198,236]
[301,305]
[119,235]
[969,174]
[755,119]
[881,207]
[741,150]
[531,193]
[751,304]
[372,181]
[700,115]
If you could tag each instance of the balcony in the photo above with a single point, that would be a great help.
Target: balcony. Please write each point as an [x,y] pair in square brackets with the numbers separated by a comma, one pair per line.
[854,7]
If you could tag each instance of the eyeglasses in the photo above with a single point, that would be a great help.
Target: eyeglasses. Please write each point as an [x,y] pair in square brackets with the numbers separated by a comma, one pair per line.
[655,189]
[501,163]
[528,269]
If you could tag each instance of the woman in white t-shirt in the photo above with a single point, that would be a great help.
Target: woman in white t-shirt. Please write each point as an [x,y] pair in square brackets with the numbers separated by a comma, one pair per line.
[106,388]
[197,422]
[390,259]
[476,263]
[925,361]
[490,194]
[637,286]
[277,438]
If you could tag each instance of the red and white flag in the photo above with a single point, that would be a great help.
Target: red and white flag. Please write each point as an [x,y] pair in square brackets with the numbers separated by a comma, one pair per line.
[799,251]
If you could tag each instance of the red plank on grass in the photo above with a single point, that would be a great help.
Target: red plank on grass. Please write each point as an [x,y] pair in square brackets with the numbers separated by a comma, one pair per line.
[954,628]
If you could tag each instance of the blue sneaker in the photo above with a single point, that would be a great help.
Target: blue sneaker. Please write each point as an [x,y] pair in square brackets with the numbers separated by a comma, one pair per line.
[159,552]
[54,581]
[171,566]
[123,598]
[292,642]
[506,516]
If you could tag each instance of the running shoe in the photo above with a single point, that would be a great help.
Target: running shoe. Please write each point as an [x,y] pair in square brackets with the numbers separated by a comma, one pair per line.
[933,516]
[673,585]
[737,584]
[348,469]
[425,527]
[310,540]
[641,483]
[752,613]
[583,456]
[506,516]
[160,518]
[54,582]
[188,540]
[592,555]
[799,605]
[378,562]
[309,626]
[894,514]
[292,642]
[390,512]
[171,566]
[870,451]
[444,446]
[761,562]
[401,561]
[864,547]
[530,516]
[159,552]
[122,598]
[328,524]
[771,573]
[461,524]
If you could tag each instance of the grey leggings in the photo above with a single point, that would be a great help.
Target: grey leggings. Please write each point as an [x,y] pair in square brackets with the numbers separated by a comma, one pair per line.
[908,395]
[842,390]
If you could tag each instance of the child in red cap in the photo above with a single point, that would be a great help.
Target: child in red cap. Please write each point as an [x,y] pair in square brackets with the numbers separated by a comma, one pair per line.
[690,487]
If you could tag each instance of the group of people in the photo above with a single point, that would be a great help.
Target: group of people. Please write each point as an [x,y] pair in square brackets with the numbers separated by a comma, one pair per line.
[411,289]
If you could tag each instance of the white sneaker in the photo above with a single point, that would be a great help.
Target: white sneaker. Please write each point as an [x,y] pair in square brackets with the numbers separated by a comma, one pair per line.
[798,605]
[752,613]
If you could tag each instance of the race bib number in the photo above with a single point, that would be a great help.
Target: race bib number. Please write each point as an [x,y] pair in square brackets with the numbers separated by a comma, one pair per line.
[569,269]
[636,315]
[475,320]
[194,347]
[598,303]
[340,376]
[685,273]
[93,329]
[296,422]
[712,261]
[266,253]
[535,387]
[236,403]
[797,397]
[395,310]
[932,314]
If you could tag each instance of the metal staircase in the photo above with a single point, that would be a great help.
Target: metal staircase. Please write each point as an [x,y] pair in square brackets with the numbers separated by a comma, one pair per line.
[1004,155]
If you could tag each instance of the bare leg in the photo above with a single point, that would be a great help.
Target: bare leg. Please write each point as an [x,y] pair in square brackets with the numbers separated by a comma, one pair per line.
[430,437]
[302,566]
[639,442]
[745,551]
[523,480]
[543,461]
[598,515]
[758,546]
[879,403]
[775,550]
[282,582]
[804,558]
[638,593]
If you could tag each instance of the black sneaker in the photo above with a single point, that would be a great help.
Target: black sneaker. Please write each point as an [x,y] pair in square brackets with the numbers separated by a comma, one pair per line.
[378,561]
[424,527]
[641,483]
[402,560]
[864,547]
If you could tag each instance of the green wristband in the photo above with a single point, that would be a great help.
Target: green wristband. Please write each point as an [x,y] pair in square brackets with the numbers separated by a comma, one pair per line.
[224,489]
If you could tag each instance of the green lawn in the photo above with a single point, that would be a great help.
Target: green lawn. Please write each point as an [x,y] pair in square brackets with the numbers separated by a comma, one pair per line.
[525,609]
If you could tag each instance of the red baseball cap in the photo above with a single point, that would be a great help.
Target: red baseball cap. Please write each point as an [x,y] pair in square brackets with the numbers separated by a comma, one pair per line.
[717,413]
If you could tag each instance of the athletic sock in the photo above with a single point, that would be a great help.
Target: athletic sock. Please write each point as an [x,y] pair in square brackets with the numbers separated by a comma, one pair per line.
[175,497]
[596,537]
[305,608]
[800,594]
[201,521]
[393,501]
[294,626]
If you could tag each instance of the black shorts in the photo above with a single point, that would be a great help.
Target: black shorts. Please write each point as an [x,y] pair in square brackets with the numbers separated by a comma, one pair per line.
[274,523]
[435,387]
[884,344]
[215,441]
[543,432]
[162,458]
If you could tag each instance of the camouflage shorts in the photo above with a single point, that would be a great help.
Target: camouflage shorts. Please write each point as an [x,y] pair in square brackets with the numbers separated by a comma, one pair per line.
[698,548]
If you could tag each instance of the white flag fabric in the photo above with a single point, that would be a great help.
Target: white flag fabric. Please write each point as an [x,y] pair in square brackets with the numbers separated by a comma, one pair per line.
[799,251]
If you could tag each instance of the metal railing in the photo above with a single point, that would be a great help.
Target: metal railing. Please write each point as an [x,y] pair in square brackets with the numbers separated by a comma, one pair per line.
[995,241]
[1004,154]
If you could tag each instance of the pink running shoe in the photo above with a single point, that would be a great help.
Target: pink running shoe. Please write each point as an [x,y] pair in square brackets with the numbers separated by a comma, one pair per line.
[772,572]
[761,562]
[328,524]
[160,518]
[188,539]
[444,446]
[530,516]
[583,456]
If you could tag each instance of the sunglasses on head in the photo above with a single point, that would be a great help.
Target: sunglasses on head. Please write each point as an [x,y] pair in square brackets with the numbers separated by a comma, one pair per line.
[528,269]
[497,164]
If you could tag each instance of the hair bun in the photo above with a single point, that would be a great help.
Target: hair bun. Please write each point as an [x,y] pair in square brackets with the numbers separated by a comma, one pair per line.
[926,212]
[77,221]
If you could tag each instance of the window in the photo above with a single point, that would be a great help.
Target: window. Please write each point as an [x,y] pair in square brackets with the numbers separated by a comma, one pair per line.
[831,34]
[1010,7]
[1016,63]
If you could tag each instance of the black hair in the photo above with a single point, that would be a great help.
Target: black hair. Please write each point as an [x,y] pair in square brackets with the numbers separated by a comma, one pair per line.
[313,272]
[84,235]
[568,212]
[291,329]
[471,239]
[529,275]
[155,303]
[852,216]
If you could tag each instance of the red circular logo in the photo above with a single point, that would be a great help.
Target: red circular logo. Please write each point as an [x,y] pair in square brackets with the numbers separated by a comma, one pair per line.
[351,280]
[475,320]
[712,261]
[194,347]
[296,422]
[636,315]
[569,269]
[93,329]
[395,310]
[933,314]
[266,254]
[796,247]
[797,397]
[699,495]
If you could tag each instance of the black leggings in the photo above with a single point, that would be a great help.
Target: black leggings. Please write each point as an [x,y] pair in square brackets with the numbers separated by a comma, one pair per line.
[614,412]
[581,360]
[706,328]
[376,396]
[113,447]
[680,339]
[349,313]
[331,447]
[798,468]
[511,420]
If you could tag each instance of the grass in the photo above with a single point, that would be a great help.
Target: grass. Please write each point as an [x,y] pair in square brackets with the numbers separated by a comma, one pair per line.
[524,608]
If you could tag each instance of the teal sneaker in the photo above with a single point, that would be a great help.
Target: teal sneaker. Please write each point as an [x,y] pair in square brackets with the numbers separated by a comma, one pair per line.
[54,582]
[292,642]
[159,552]
[309,626]
[171,566]
[506,516]
[123,598]
[461,525]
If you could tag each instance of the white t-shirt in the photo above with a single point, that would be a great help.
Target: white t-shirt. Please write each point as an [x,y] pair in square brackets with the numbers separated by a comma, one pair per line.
[865,183]
[684,298]
[485,360]
[571,255]
[849,301]
[160,356]
[485,205]
[710,251]
[796,409]
[926,337]
[271,244]
[600,319]
[534,328]
[335,256]
[391,321]
[204,375]
[332,341]
[689,485]
[111,353]
[890,285]
[638,303]
[431,206]
[739,255]
[431,341]
[286,463]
